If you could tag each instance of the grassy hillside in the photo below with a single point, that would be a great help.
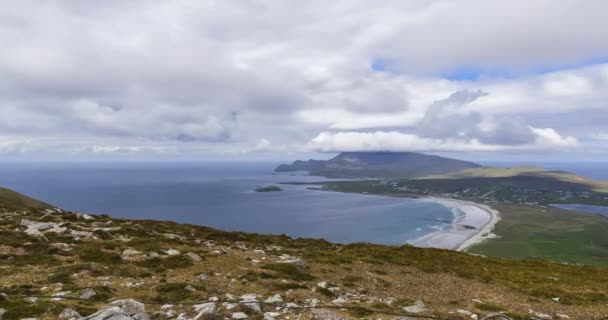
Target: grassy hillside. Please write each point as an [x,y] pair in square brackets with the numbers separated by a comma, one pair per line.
[163,262]
[10,199]
[378,165]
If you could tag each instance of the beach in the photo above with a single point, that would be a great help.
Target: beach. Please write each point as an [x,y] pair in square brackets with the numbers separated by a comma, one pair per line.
[473,223]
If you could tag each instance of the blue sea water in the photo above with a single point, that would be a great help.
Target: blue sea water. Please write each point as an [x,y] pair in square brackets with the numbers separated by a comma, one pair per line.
[221,195]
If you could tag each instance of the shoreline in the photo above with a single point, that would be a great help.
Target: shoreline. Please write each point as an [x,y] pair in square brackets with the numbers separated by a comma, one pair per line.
[458,237]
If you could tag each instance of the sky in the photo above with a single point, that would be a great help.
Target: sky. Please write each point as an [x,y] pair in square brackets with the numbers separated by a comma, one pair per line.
[256,79]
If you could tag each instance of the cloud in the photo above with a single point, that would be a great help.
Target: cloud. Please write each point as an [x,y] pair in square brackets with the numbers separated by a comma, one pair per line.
[546,138]
[200,77]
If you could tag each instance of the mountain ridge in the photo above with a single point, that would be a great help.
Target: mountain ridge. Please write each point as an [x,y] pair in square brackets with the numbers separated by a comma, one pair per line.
[380,164]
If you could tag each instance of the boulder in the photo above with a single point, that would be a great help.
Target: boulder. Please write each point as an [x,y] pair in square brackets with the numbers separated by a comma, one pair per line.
[239,315]
[251,301]
[416,308]
[130,306]
[87,293]
[194,257]
[204,309]
[274,299]
[132,255]
[111,313]
[323,314]
[69,314]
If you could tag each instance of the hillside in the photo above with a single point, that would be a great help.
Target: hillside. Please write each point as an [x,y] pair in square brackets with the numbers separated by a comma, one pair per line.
[57,264]
[10,199]
[378,165]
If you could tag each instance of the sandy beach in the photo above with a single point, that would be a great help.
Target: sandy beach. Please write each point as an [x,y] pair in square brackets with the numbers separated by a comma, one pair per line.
[473,222]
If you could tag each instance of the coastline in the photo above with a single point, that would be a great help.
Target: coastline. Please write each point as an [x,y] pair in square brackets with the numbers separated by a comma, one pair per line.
[458,237]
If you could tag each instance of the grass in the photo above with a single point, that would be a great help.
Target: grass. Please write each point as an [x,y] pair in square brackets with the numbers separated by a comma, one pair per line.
[530,232]
[289,271]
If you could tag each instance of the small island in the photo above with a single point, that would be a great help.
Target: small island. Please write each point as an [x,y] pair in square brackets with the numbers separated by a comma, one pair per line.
[268,189]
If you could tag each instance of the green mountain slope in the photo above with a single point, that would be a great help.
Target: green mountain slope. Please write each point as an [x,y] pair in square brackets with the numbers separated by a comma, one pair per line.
[10,199]
[378,165]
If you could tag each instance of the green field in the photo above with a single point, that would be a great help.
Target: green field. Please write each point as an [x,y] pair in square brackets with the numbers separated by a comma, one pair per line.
[530,232]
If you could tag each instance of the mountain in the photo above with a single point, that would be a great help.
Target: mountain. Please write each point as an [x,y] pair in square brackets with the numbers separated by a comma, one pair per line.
[378,165]
[10,199]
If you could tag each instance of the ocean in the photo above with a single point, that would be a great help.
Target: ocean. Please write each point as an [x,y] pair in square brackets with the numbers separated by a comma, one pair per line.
[221,195]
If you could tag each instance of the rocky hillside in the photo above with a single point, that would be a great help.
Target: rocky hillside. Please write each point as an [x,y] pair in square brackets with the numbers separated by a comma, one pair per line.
[378,165]
[67,265]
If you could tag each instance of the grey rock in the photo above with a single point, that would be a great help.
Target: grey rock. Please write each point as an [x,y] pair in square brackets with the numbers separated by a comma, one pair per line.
[87,293]
[322,314]
[202,277]
[3,296]
[130,306]
[274,299]
[2,312]
[194,257]
[132,255]
[141,316]
[251,301]
[204,309]
[496,316]
[111,313]
[416,308]
[239,315]
[69,314]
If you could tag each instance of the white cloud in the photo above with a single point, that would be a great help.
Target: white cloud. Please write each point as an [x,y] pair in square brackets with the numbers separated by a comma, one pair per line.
[206,76]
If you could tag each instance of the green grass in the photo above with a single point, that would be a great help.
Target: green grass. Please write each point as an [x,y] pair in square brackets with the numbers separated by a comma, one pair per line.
[527,232]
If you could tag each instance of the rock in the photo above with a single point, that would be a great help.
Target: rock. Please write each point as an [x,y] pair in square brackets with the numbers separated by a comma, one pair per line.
[251,301]
[194,257]
[87,293]
[141,316]
[239,315]
[132,255]
[496,316]
[190,288]
[2,312]
[111,313]
[416,308]
[322,284]
[202,277]
[130,306]
[271,315]
[339,300]
[172,252]
[69,314]
[229,305]
[59,295]
[467,313]
[274,299]
[563,316]
[240,245]
[166,306]
[3,296]
[36,228]
[204,309]
[322,314]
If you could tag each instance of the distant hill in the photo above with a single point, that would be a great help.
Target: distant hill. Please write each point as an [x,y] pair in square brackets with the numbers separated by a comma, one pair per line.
[544,179]
[10,199]
[378,165]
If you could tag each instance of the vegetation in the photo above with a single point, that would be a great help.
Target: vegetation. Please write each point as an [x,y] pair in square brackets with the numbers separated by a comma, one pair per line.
[268,189]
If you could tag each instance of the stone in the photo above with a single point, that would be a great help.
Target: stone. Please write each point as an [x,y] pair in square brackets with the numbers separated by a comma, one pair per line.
[274,299]
[3,296]
[204,309]
[251,301]
[35,228]
[69,314]
[496,316]
[130,306]
[172,252]
[190,288]
[2,312]
[416,308]
[202,277]
[339,300]
[132,255]
[194,257]
[87,293]
[111,313]
[271,315]
[239,315]
[322,284]
[323,314]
